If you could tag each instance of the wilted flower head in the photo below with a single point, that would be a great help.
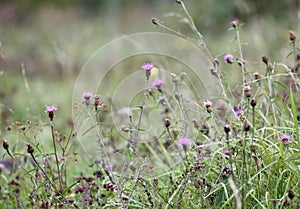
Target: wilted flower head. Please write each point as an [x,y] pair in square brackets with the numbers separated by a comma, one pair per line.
[285,138]
[158,83]
[185,141]
[147,66]
[228,58]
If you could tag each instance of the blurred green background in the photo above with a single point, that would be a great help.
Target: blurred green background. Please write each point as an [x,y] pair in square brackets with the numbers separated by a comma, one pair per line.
[53,39]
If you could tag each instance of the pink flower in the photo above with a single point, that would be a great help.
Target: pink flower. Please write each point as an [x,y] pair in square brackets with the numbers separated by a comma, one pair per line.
[50,108]
[158,83]
[238,112]
[50,111]
[228,58]
[207,103]
[185,141]
[147,66]
[285,138]
[87,95]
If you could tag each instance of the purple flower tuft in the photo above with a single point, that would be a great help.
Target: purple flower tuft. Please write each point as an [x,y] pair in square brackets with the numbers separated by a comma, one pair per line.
[147,66]
[238,112]
[285,138]
[158,83]
[50,111]
[50,108]
[228,58]
[87,95]
[185,141]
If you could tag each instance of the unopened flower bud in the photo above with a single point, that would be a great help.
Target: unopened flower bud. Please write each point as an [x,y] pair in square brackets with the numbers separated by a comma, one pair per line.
[234,23]
[5,143]
[154,21]
[253,103]
[257,76]
[30,149]
[292,36]
[265,59]
[227,128]
[167,122]
[246,127]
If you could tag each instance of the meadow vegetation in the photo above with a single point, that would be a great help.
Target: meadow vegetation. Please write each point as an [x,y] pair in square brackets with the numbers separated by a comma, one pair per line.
[173,145]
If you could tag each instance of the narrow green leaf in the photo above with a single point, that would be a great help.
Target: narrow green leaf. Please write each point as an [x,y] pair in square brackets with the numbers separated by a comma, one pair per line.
[294,112]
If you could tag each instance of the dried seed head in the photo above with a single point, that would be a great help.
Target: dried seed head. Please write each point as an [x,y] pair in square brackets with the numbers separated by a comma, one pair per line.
[154,21]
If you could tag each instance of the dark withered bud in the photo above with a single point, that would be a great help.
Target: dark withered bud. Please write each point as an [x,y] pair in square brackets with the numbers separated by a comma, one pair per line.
[292,36]
[257,76]
[30,149]
[154,21]
[234,23]
[265,59]
[5,144]
[167,122]
[246,127]
[177,96]
[216,62]
[8,128]
[155,181]
[178,1]
[96,102]
[227,128]
[291,194]
[23,128]
[253,103]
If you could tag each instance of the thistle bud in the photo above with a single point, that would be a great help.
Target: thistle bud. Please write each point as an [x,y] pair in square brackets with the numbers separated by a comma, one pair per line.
[30,149]
[227,128]
[154,21]
[292,36]
[5,143]
[265,59]
[253,103]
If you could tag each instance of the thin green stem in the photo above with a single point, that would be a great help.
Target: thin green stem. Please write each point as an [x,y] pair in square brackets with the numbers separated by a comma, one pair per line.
[56,158]
[241,63]
[195,29]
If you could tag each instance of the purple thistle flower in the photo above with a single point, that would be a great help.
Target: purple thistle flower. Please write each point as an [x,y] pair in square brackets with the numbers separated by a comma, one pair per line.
[50,111]
[185,141]
[147,66]
[5,143]
[87,95]
[228,58]
[158,83]
[50,108]
[239,136]
[207,103]
[238,112]
[285,138]
[227,152]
